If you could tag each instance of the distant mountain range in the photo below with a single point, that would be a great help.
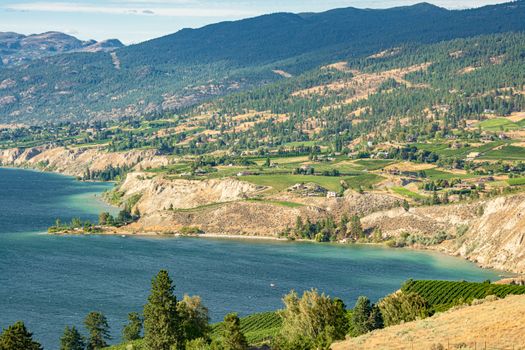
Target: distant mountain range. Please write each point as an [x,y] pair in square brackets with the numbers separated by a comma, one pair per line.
[18,48]
[196,64]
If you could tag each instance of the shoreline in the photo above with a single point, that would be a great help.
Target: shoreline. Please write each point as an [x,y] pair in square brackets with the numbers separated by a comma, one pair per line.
[502,274]
[100,198]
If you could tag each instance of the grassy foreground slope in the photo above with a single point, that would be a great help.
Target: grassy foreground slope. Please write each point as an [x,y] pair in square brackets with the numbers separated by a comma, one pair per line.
[490,325]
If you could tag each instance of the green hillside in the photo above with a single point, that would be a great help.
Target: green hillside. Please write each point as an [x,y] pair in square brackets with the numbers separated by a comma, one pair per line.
[194,65]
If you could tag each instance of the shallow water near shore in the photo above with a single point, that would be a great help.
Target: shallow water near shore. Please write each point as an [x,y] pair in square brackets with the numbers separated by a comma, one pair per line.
[53,281]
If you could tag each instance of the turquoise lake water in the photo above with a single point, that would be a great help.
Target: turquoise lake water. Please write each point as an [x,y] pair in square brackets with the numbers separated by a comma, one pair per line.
[53,281]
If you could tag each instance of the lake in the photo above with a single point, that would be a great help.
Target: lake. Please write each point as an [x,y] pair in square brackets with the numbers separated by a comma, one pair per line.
[53,281]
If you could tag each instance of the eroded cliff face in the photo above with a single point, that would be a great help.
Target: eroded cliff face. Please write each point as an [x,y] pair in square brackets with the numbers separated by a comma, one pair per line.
[76,161]
[497,238]
[489,232]
[229,206]
[217,206]
[160,193]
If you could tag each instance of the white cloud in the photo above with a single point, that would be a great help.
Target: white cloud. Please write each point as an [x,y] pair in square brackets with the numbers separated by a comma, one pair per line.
[68,7]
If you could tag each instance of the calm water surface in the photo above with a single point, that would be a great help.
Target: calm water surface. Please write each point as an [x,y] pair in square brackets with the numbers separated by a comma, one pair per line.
[50,282]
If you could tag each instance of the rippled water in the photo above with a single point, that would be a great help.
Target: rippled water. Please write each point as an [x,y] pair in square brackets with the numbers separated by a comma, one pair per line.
[50,281]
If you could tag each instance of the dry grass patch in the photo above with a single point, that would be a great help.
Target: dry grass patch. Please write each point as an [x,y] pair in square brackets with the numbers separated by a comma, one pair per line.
[516,117]
[490,325]
[364,84]
[340,66]
[386,53]
[408,166]
[467,70]
[282,73]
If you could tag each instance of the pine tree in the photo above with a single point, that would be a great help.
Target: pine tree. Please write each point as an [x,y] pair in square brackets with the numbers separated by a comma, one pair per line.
[72,340]
[103,218]
[97,325]
[356,229]
[194,318]
[17,337]
[161,320]
[134,327]
[233,338]
[365,317]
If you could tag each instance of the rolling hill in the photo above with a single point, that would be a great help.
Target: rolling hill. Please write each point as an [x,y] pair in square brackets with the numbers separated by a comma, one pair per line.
[196,64]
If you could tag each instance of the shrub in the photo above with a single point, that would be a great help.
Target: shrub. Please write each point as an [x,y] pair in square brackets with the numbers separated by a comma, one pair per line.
[314,320]
[403,307]
[190,230]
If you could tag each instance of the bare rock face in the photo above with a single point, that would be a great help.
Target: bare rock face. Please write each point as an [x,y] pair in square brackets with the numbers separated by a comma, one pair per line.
[494,234]
[159,193]
[219,206]
[8,156]
[497,237]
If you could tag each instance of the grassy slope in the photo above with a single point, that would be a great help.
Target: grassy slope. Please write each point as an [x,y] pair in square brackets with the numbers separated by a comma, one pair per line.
[496,325]
[407,193]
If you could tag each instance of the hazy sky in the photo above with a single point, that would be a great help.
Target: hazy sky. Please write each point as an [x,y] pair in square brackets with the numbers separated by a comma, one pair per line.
[134,21]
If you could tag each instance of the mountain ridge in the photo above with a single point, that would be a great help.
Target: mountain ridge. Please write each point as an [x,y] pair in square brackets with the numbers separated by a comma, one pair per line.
[193,65]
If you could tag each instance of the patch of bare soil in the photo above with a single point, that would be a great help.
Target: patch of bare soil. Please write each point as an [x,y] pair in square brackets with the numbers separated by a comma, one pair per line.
[282,73]
[340,66]
[516,117]
[364,84]
[407,166]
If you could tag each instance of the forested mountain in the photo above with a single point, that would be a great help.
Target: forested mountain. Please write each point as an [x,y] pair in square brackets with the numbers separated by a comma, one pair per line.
[192,65]
[18,48]
[413,93]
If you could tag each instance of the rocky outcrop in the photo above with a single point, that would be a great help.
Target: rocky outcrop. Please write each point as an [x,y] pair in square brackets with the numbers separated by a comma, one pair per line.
[75,161]
[18,48]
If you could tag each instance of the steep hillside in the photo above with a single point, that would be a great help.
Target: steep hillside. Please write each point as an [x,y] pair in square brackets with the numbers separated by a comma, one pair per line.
[17,48]
[489,232]
[192,65]
[489,325]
